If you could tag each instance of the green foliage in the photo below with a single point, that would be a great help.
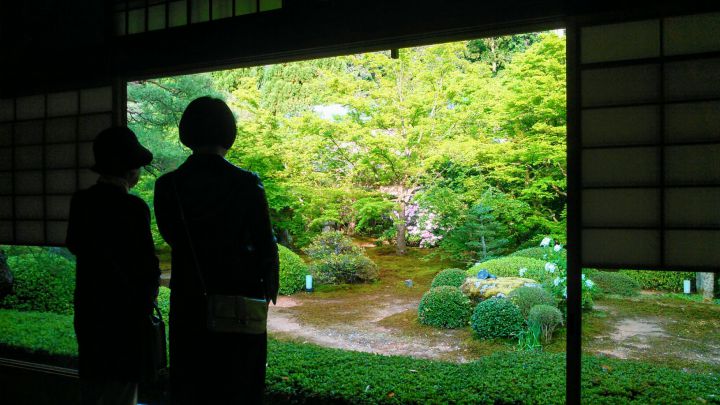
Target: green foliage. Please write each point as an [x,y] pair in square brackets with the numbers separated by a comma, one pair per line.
[616,283]
[292,271]
[528,297]
[163,300]
[43,282]
[529,339]
[539,253]
[344,268]
[669,281]
[497,52]
[510,266]
[478,236]
[331,243]
[373,215]
[307,374]
[336,260]
[39,333]
[451,277]
[547,317]
[497,318]
[444,307]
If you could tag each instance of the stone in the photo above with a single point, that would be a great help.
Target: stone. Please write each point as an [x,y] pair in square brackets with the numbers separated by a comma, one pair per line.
[481,289]
[408,283]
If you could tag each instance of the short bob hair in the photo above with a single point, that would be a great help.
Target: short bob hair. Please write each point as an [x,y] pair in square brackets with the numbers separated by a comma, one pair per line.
[207,121]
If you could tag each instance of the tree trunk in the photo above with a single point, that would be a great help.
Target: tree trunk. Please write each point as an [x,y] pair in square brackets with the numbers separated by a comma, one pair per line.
[707,283]
[401,228]
[484,246]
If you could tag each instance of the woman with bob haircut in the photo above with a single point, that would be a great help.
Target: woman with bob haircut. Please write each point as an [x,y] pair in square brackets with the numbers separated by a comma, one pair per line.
[215,217]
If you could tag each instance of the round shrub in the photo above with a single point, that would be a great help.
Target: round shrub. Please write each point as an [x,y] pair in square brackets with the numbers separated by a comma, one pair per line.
[292,271]
[510,266]
[451,277]
[331,243]
[527,297]
[444,307]
[344,268]
[44,282]
[670,281]
[548,317]
[497,318]
[616,283]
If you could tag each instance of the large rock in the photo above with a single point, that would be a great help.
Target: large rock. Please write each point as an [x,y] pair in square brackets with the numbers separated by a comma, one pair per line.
[478,290]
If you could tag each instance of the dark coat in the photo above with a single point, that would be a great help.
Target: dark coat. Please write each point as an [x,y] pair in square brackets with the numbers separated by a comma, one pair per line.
[117,279]
[228,221]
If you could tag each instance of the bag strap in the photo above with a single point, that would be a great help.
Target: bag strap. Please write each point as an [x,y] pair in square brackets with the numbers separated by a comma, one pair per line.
[196,262]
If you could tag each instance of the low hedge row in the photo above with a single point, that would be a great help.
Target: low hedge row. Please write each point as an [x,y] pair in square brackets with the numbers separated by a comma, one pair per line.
[308,374]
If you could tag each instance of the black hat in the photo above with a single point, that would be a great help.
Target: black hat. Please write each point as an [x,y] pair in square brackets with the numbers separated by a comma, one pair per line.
[207,121]
[117,150]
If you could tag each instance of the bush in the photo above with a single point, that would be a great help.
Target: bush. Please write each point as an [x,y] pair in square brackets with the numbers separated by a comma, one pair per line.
[43,282]
[527,297]
[540,253]
[331,243]
[615,283]
[510,266]
[451,277]
[344,268]
[163,301]
[336,260]
[292,271]
[497,318]
[548,317]
[669,281]
[444,307]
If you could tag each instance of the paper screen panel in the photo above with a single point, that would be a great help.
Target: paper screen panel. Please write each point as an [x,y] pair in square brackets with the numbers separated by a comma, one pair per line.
[29,207]
[691,80]
[621,247]
[692,207]
[60,104]
[692,34]
[621,126]
[610,42]
[30,232]
[621,207]
[621,167]
[621,85]
[692,248]
[692,165]
[692,122]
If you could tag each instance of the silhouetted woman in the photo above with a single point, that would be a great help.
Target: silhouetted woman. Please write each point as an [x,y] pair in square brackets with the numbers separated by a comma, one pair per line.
[117,270]
[233,248]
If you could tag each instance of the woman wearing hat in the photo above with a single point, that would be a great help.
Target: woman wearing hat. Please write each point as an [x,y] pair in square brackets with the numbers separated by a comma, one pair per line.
[215,217]
[117,273]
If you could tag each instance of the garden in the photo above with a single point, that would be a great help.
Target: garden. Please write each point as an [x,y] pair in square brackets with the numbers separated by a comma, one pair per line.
[419,207]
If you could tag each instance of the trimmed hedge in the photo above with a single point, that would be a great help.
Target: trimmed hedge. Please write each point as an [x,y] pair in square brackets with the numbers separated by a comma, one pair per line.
[497,318]
[307,374]
[669,281]
[444,307]
[43,282]
[292,271]
[615,283]
[527,297]
[510,266]
[537,252]
[451,277]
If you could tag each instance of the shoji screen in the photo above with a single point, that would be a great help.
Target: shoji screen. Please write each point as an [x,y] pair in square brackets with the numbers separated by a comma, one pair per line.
[650,143]
[45,155]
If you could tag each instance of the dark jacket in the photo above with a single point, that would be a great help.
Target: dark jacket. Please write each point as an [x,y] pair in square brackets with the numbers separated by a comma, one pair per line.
[116,279]
[227,217]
